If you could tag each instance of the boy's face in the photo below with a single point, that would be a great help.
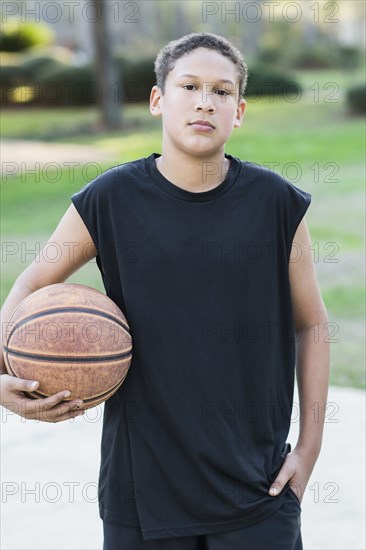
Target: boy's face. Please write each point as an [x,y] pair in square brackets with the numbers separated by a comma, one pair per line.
[203,86]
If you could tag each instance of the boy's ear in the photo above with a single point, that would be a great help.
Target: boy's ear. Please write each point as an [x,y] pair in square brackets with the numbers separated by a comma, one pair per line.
[155,97]
[240,113]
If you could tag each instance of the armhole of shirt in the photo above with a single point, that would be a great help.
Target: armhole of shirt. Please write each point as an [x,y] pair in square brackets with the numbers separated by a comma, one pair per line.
[303,201]
[88,225]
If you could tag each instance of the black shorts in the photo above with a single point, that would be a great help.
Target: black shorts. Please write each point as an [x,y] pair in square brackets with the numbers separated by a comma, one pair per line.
[281,531]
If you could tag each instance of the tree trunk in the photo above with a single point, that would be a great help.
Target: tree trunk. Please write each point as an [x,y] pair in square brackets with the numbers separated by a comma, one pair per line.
[109,85]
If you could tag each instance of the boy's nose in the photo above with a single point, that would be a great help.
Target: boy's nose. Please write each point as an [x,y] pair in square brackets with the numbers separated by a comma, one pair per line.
[205,105]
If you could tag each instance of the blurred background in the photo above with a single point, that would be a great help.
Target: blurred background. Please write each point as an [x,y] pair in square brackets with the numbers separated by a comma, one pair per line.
[75,83]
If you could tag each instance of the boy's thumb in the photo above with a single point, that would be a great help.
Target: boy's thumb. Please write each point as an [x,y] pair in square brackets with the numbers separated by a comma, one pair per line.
[21,384]
[277,485]
[30,384]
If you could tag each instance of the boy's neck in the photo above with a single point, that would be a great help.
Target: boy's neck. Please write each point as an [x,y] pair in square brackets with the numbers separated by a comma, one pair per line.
[194,174]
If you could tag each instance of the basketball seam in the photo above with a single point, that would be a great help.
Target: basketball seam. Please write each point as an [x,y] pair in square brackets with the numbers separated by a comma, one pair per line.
[87,400]
[66,310]
[67,359]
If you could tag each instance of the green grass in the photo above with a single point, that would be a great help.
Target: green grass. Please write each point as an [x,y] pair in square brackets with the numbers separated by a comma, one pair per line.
[320,82]
[347,303]
[29,206]
[317,145]
[70,124]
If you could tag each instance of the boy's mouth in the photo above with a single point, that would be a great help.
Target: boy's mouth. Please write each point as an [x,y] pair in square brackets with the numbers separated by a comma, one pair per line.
[202,125]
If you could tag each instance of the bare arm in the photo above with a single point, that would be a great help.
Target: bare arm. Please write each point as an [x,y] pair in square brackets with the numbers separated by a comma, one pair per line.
[76,249]
[312,345]
[312,363]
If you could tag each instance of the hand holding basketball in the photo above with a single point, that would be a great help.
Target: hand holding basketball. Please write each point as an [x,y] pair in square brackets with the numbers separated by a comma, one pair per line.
[13,396]
[66,337]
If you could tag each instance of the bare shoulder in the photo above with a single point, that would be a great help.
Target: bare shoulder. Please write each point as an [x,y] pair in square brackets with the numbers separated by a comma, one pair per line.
[307,302]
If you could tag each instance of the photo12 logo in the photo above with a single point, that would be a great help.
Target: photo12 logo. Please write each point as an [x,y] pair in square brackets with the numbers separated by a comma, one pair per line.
[69,11]
[253,12]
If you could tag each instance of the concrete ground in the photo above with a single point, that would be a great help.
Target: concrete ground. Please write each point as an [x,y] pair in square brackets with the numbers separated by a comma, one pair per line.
[49,478]
[19,156]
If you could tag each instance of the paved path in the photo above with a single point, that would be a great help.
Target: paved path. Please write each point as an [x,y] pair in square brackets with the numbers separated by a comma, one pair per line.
[49,474]
[23,155]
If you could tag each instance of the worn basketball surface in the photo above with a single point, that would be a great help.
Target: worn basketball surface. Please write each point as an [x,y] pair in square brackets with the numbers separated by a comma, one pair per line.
[69,337]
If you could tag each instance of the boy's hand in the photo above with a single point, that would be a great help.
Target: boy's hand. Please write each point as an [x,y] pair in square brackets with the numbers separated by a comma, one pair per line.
[296,470]
[13,396]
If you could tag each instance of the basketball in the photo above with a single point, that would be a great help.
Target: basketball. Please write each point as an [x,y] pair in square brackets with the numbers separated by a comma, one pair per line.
[69,337]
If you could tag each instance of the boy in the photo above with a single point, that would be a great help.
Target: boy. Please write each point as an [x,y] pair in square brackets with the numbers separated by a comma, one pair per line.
[209,258]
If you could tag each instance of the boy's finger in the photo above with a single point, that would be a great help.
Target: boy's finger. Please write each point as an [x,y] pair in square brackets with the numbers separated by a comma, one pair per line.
[55,399]
[297,489]
[67,415]
[50,408]
[62,411]
[52,411]
[279,483]
[20,384]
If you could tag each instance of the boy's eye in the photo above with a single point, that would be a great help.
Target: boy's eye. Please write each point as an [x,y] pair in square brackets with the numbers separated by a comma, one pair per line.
[222,92]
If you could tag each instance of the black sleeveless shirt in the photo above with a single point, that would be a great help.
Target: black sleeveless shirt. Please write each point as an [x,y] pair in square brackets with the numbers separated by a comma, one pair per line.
[192,439]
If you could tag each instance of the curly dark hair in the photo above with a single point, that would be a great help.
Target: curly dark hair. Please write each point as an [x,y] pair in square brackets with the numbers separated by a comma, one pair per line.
[171,52]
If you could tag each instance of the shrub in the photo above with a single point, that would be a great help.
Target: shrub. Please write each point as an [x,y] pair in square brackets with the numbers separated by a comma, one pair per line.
[320,56]
[356,98]
[267,56]
[10,58]
[12,77]
[16,36]
[77,85]
[137,77]
[25,70]
[39,66]
[350,57]
[68,86]
[263,80]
